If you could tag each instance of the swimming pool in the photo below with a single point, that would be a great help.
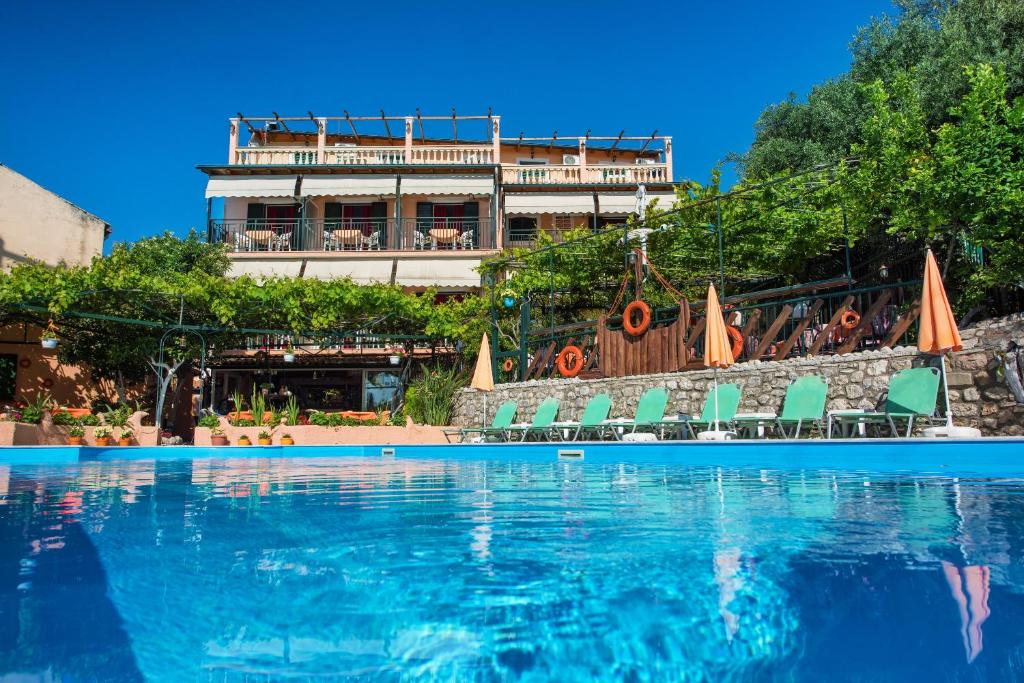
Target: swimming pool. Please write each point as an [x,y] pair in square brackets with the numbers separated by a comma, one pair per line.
[807,561]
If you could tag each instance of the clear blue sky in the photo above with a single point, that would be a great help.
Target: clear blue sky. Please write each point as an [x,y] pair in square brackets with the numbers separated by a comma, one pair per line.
[112,104]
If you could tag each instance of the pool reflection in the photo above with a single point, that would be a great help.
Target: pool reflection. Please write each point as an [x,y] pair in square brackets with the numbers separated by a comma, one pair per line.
[369,568]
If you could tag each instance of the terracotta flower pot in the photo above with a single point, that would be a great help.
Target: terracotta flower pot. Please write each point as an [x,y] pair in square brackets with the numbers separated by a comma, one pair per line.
[218,440]
[287,441]
[102,441]
[265,442]
[124,441]
[74,441]
[244,441]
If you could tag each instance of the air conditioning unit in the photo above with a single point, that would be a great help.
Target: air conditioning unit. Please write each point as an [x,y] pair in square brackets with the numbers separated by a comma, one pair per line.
[273,127]
[643,161]
[345,144]
[570,159]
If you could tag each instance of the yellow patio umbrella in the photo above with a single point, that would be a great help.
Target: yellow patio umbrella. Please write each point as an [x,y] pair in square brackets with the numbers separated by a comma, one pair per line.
[483,376]
[937,332]
[717,350]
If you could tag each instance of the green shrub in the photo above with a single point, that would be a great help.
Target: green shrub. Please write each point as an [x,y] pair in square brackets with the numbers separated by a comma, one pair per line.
[244,423]
[209,421]
[291,411]
[63,418]
[430,398]
[89,420]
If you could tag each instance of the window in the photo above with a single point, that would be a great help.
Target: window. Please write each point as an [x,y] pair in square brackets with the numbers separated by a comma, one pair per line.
[380,389]
[563,222]
[531,162]
[8,376]
[522,228]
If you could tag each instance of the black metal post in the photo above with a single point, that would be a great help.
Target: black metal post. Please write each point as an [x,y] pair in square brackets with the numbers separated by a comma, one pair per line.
[846,248]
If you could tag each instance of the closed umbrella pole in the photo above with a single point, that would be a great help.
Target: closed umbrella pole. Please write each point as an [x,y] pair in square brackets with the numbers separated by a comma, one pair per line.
[717,350]
[483,377]
[937,333]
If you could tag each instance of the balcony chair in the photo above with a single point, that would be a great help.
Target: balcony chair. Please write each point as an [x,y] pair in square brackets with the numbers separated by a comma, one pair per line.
[465,240]
[372,243]
[243,242]
[282,242]
[420,240]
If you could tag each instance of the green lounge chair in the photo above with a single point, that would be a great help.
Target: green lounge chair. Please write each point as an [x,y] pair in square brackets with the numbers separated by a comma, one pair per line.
[804,405]
[911,399]
[650,412]
[541,427]
[592,422]
[728,404]
[499,425]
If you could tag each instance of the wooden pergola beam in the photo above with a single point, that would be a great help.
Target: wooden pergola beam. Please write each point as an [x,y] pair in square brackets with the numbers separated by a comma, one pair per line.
[352,125]
[554,136]
[649,141]
[617,141]
[387,128]
[455,127]
[419,120]
[283,124]
[248,125]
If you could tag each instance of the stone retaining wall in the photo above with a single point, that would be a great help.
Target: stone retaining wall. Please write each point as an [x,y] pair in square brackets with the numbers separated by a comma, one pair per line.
[978,394]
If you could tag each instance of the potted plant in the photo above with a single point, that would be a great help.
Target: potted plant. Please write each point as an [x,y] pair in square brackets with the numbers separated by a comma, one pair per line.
[75,435]
[49,339]
[289,353]
[217,437]
[264,438]
[243,440]
[124,437]
[396,357]
[102,435]
[287,440]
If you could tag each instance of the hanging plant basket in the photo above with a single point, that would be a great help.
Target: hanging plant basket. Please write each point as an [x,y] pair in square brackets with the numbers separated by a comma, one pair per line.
[289,356]
[395,359]
[49,342]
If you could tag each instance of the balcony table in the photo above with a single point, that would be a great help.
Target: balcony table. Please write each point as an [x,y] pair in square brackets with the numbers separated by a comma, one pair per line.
[443,236]
[348,237]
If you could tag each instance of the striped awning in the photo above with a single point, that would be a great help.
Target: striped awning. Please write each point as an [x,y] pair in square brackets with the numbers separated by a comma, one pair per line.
[531,203]
[348,185]
[625,202]
[251,186]
[473,186]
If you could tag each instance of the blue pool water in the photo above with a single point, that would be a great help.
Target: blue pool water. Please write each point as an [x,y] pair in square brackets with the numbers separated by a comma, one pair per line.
[636,564]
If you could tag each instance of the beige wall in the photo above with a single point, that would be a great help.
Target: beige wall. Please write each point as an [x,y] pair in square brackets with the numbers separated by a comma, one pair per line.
[40,373]
[36,224]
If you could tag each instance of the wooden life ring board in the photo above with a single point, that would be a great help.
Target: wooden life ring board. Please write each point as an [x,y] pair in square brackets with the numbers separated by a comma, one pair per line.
[645,318]
[737,341]
[574,354]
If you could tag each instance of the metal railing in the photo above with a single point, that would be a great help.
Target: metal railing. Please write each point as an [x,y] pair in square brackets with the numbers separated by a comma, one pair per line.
[248,235]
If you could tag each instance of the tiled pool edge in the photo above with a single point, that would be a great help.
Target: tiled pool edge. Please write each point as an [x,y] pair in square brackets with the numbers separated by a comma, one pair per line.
[993,456]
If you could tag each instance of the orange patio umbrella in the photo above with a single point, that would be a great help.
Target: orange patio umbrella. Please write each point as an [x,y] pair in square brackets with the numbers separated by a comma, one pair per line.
[717,350]
[937,332]
[483,376]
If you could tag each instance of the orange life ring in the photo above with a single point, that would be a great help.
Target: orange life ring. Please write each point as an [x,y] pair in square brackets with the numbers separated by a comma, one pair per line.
[627,318]
[508,365]
[562,362]
[850,320]
[737,341]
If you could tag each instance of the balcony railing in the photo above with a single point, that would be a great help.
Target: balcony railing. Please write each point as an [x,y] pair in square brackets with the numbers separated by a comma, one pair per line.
[359,155]
[247,235]
[574,175]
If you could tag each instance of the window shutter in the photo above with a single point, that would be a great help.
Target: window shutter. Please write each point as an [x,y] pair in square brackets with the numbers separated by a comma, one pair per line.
[471,211]
[332,210]
[256,211]
[425,210]
[379,210]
